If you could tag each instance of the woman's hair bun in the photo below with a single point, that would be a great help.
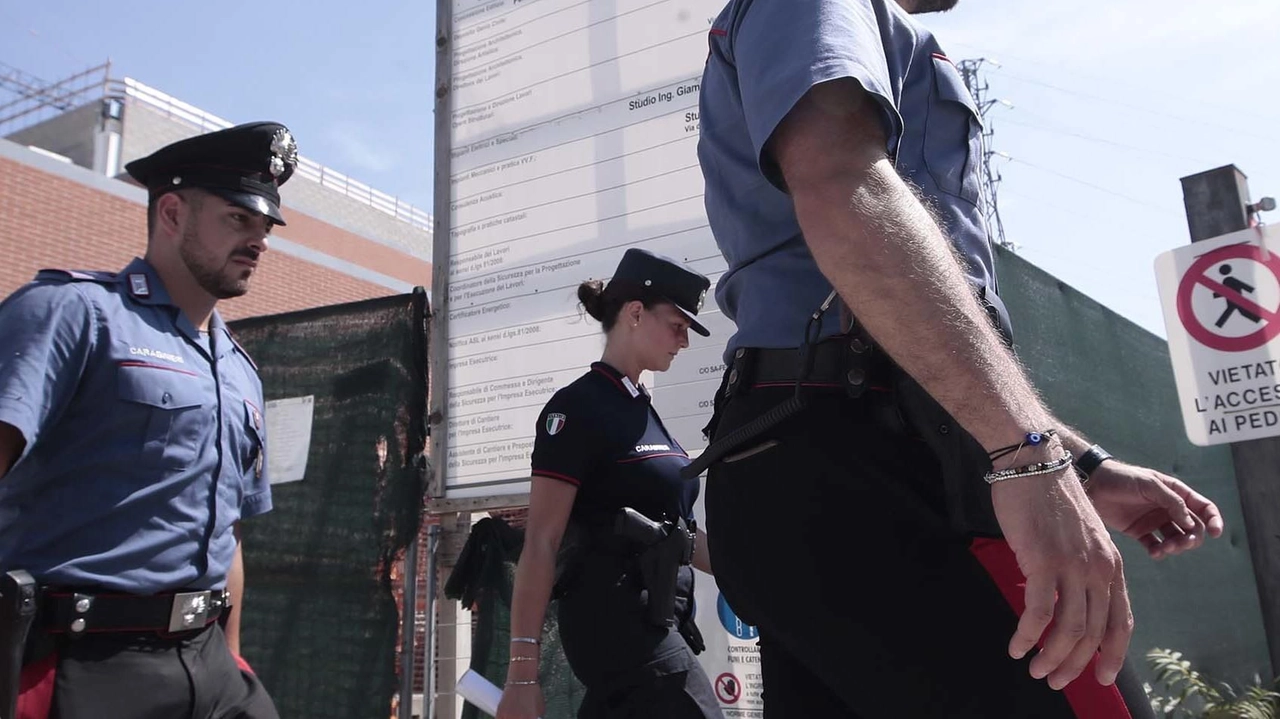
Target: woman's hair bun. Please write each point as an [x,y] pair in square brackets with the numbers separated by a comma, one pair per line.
[591,295]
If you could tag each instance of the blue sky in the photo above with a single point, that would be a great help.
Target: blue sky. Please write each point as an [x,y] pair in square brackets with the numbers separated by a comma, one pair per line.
[1114,100]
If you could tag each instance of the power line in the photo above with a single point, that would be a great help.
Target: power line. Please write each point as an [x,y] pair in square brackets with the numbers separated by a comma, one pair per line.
[1077,212]
[1082,259]
[14,23]
[970,71]
[1087,183]
[1139,108]
[1104,141]
[1059,69]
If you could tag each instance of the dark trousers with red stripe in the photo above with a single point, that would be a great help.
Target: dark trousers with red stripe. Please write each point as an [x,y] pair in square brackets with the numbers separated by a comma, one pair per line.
[830,534]
[143,676]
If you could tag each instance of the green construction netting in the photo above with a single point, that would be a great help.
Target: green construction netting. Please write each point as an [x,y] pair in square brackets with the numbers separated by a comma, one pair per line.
[1112,379]
[482,580]
[321,621]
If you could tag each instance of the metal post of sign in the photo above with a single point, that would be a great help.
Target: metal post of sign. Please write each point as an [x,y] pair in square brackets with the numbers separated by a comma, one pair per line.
[444,651]
[442,246]
[429,640]
[408,628]
[1217,203]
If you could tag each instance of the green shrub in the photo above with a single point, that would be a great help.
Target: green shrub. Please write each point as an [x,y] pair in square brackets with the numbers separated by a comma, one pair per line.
[1192,695]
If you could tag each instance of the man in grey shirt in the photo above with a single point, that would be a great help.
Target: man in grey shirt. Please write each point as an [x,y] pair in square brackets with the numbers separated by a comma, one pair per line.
[871,386]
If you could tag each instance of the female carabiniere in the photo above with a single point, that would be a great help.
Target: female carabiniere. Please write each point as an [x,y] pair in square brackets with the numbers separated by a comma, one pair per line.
[607,497]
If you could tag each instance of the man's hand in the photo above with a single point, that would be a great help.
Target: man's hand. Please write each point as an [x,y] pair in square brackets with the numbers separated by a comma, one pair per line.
[1075,578]
[1164,514]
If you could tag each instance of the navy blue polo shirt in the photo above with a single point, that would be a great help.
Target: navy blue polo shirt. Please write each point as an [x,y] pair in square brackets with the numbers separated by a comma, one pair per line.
[601,434]
[144,437]
[764,56]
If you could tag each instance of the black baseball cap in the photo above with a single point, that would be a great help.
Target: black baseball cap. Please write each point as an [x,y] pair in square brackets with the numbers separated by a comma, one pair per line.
[244,165]
[667,279]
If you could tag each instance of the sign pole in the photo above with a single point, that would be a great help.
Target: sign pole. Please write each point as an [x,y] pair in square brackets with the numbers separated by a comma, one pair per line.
[1217,203]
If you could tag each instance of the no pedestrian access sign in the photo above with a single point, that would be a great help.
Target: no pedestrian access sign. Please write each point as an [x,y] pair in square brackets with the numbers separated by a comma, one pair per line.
[1221,300]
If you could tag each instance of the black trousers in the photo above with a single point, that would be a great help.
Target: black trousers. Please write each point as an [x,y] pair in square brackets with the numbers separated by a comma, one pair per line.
[144,676]
[631,668]
[830,534]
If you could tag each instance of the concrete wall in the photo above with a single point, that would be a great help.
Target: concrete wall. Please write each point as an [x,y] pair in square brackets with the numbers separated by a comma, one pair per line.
[69,134]
[147,130]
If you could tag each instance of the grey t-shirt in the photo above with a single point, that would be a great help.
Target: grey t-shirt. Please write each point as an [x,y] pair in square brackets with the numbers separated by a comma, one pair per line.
[765,55]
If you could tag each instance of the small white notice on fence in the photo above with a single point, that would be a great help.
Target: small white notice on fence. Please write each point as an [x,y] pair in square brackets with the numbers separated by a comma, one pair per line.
[289,437]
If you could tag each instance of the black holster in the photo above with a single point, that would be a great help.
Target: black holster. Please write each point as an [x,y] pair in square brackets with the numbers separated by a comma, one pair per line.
[17,612]
[667,547]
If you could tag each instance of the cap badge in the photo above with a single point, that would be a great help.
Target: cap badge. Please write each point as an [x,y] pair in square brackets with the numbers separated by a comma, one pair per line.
[138,285]
[702,296]
[555,423]
[284,152]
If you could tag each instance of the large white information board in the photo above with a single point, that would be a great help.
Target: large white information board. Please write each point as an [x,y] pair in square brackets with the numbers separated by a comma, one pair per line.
[574,130]
[574,136]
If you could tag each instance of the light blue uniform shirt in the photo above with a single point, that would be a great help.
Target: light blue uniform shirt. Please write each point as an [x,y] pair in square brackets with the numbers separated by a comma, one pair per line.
[143,448]
[765,55]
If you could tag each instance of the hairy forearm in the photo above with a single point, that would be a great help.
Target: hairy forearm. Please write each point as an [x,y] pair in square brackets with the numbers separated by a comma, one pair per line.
[1075,442]
[892,265]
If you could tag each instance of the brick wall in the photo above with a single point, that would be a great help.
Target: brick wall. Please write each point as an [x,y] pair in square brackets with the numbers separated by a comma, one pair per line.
[47,220]
[353,248]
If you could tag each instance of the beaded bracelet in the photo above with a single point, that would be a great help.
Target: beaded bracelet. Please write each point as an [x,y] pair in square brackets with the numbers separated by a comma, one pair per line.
[522,684]
[526,640]
[1032,439]
[1030,470]
[524,659]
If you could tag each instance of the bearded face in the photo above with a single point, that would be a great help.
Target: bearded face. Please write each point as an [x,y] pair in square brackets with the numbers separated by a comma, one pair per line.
[220,245]
[920,7]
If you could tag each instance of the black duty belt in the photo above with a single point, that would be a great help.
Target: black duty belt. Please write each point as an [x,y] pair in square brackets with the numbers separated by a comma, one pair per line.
[849,362]
[74,613]
[844,362]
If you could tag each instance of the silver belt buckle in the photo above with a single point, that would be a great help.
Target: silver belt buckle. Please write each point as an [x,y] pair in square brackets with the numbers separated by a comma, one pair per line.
[190,611]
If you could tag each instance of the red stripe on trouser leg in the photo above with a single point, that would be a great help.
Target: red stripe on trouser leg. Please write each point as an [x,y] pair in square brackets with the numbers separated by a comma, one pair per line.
[244,665]
[35,690]
[1088,698]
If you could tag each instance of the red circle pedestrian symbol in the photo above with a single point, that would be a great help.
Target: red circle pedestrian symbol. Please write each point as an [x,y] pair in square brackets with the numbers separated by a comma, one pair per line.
[1236,298]
[728,688]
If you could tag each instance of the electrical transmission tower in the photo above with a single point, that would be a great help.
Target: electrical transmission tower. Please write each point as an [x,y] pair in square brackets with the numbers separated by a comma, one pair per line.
[979,90]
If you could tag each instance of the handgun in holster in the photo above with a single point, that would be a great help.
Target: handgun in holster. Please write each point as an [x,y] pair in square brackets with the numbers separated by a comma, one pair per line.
[668,546]
[17,612]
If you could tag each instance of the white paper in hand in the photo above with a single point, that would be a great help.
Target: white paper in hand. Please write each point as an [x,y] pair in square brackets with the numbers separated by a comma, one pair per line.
[480,692]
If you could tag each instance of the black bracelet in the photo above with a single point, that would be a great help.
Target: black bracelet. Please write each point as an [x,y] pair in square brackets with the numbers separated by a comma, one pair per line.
[1091,459]
[1032,439]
